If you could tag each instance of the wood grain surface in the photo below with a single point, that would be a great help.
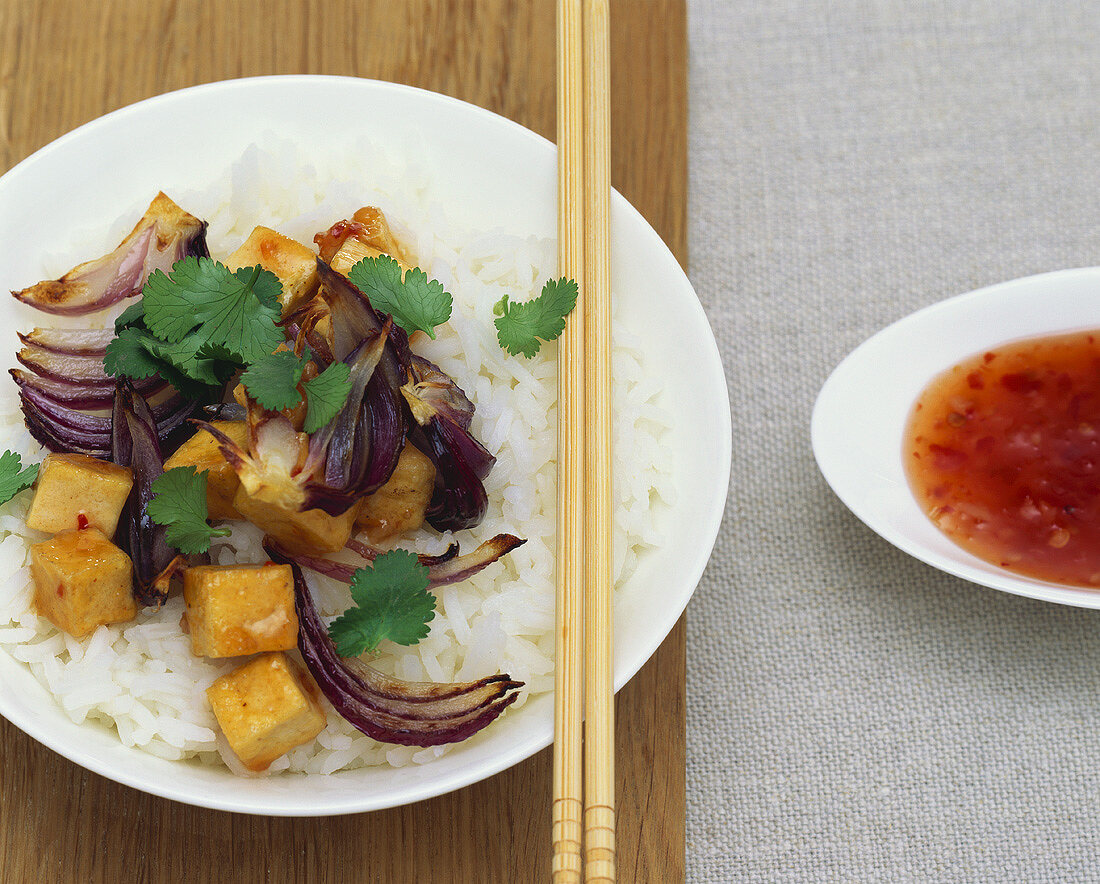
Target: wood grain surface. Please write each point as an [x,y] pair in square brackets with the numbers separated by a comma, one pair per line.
[63,63]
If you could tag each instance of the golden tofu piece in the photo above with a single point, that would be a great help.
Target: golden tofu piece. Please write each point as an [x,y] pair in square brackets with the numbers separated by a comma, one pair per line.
[201,451]
[266,708]
[81,581]
[294,264]
[311,532]
[234,610]
[78,491]
[400,504]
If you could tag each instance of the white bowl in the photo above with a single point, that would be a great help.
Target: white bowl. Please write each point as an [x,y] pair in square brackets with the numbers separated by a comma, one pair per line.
[860,415]
[502,176]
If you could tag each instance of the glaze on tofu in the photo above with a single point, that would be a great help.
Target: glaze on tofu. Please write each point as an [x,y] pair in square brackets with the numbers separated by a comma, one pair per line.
[294,264]
[266,708]
[309,531]
[77,491]
[234,610]
[400,504]
[81,581]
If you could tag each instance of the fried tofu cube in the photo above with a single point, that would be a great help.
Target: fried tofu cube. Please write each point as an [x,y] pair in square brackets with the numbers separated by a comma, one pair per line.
[77,491]
[400,504]
[81,581]
[201,451]
[311,531]
[234,610]
[266,708]
[294,264]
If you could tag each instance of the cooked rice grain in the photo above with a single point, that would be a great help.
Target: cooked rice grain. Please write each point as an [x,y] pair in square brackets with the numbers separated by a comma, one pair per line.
[141,679]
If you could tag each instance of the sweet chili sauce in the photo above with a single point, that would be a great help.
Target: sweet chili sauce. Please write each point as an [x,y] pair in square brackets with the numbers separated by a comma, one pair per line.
[1003,454]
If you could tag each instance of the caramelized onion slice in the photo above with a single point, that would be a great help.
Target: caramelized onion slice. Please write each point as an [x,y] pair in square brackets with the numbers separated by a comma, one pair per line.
[65,392]
[164,234]
[443,413]
[134,444]
[74,341]
[389,709]
[442,570]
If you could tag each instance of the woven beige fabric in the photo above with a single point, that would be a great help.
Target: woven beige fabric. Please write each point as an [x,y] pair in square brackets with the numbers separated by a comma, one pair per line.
[854,715]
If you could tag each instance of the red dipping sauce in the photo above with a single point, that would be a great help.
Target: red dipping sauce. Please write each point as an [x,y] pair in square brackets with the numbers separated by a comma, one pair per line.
[1003,454]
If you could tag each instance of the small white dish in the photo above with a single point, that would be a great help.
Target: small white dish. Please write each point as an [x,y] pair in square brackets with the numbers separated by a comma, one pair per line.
[501,175]
[861,413]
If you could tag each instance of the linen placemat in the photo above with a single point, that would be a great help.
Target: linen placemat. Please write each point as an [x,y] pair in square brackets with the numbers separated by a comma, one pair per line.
[854,715]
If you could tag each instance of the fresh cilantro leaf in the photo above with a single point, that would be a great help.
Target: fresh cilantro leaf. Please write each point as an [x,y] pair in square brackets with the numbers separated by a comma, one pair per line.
[326,395]
[235,310]
[195,360]
[132,315]
[392,602]
[131,354]
[13,479]
[519,326]
[414,302]
[273,380]
[172,301]
[179,503]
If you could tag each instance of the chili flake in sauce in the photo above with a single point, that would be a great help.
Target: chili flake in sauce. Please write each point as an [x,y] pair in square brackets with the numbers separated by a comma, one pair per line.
[1003,454]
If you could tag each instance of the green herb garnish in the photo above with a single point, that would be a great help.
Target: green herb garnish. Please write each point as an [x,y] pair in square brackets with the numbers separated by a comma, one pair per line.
[13,478]
[325,396]
[200,324]
[521,325]
[272,380]
[392,602]
[179,504]
[414,302]
[200,298]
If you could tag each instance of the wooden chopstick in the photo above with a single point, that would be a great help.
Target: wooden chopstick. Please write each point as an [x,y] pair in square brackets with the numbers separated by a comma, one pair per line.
[569,642]
[584,676]
[599,693]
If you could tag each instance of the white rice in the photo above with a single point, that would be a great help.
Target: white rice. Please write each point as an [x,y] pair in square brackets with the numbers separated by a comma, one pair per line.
[141,679]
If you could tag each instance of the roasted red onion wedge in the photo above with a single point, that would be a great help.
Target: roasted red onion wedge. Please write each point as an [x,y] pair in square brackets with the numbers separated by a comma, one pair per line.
[442,570]
[74,341]
[68,416]
[388,709]
[64,392]
[351,456]
[443,413]
[80,369]
[164,234]
[134,444]
[354,319]
[62,439]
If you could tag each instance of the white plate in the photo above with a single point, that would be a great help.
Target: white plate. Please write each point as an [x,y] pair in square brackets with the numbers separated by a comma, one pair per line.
[860,415]
[503,176]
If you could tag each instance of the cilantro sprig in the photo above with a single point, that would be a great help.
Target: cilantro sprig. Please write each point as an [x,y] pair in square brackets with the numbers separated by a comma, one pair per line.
[201,323]
[13,478]
[325,396]
[205,301]
[391,602]
[274,381]
[413,300]
[179,504]
[521,325]
[197,325]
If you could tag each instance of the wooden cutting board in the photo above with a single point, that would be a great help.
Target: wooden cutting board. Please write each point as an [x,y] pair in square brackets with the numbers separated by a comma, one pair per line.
[64,62]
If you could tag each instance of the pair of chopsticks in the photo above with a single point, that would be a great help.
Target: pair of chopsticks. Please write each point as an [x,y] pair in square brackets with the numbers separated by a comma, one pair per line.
[584,688]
